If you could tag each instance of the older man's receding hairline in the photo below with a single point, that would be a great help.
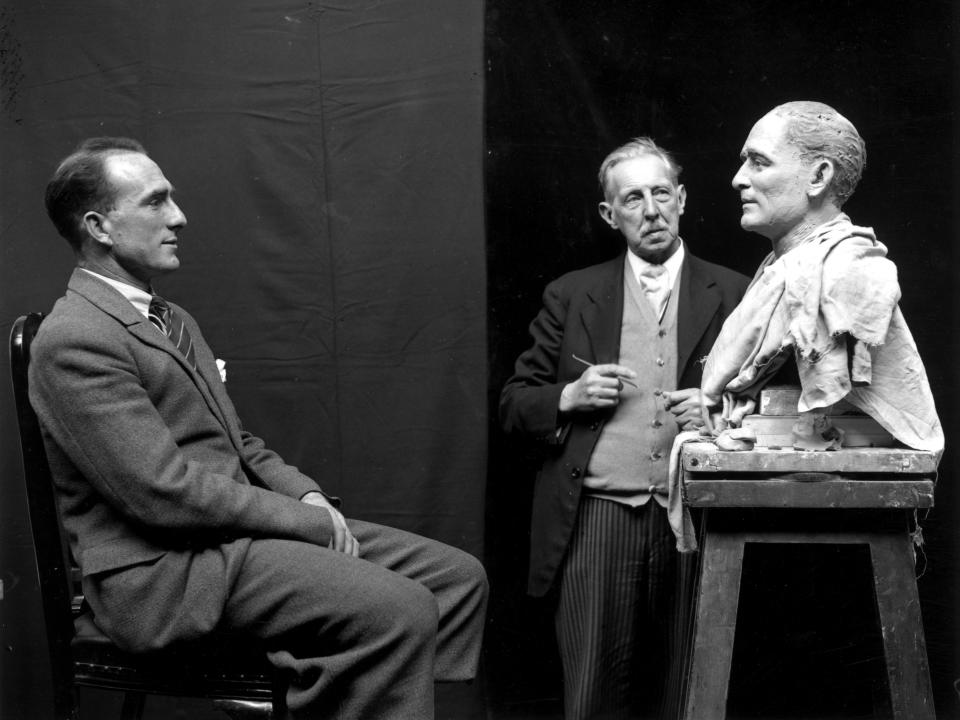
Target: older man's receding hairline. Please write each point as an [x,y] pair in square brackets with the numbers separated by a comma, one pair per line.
[638,147]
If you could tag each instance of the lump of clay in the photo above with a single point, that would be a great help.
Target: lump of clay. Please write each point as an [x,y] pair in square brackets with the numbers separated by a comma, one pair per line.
[737,439]
[814,431]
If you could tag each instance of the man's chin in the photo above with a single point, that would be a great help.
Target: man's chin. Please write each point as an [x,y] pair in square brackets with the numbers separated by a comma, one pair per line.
[656,252]
[169,266]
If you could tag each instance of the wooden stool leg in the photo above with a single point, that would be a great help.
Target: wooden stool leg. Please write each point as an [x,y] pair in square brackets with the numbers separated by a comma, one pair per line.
[898,605]
[715,626]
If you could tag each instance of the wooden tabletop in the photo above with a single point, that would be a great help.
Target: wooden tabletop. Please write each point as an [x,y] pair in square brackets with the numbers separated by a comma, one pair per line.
[892,478]
[704,457]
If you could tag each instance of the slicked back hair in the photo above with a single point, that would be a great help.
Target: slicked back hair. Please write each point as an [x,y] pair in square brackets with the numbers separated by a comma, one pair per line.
[819,131]
[80,184]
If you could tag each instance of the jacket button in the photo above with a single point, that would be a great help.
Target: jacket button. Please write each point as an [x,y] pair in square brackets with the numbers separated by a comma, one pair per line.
[575,472]
[594,425]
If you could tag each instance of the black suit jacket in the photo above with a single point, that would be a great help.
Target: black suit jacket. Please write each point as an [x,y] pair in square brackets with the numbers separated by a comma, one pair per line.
[582,314]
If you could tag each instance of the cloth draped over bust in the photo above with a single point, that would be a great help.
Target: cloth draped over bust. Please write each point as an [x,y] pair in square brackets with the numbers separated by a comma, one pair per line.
[831,302]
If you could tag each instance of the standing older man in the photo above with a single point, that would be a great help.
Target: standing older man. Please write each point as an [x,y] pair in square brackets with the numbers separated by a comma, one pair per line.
[823,305]
[182,522]
[612,375]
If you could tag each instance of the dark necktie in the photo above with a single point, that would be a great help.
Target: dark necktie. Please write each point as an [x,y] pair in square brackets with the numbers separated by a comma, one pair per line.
[171,325]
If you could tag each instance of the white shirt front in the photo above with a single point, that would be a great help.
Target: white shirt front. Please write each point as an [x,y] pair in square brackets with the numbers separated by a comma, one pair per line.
[140,299]
[672,265]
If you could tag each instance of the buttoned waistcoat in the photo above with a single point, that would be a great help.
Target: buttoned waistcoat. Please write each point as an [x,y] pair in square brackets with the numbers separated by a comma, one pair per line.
[581,315]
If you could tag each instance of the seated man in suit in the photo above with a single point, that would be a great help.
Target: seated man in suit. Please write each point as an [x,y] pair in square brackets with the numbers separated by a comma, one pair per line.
[601,542]
[184,523]
[824,303]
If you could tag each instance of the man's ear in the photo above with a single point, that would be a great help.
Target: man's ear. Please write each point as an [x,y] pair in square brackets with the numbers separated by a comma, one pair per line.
[606,212]
[681,198]
[97,226]
[821,177]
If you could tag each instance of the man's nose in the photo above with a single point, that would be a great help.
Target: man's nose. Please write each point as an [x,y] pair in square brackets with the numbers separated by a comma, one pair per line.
[650,208]
[177,218]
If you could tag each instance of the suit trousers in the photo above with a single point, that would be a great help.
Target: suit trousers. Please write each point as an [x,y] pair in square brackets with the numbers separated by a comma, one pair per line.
[615,615]
[356,637]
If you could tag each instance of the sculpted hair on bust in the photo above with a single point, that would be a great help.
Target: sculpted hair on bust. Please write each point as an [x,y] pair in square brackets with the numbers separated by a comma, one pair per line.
[819,131]
[637,147]
[80,185]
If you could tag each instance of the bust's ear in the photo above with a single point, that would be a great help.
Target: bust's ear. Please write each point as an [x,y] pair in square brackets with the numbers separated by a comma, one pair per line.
[97,226]
[821,176]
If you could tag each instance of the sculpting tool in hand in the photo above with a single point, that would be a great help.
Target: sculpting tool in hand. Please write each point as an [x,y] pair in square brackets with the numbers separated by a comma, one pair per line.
[590,364]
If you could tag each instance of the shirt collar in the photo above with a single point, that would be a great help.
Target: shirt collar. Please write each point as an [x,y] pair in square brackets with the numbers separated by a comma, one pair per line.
[672,264]
[140,299]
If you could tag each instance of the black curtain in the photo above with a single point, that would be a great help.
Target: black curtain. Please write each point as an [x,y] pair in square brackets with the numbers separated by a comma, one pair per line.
[569,80]
[328,157]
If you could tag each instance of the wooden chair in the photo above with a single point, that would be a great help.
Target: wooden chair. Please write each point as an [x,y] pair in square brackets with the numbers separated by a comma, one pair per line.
[238,680]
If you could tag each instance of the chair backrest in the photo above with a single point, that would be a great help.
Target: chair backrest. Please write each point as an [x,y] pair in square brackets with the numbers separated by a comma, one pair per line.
[53,567]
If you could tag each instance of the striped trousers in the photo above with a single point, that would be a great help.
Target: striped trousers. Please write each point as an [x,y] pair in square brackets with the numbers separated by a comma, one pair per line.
[621,613]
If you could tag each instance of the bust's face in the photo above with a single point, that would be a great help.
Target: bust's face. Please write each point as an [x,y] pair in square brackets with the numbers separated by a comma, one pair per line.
[772,181]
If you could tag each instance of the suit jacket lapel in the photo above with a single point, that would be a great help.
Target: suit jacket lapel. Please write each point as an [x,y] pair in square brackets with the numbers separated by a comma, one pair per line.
[213,389]
[698,299]
[114,304]
[602,317]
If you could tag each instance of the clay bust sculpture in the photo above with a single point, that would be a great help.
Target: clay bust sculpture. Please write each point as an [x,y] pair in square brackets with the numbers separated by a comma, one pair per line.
[826,296]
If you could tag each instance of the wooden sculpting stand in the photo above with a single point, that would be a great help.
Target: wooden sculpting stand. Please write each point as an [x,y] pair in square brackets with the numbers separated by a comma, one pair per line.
[852,496]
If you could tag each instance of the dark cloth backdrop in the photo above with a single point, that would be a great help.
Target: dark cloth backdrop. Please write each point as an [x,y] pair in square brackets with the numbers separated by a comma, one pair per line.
[328,157]
[569,80]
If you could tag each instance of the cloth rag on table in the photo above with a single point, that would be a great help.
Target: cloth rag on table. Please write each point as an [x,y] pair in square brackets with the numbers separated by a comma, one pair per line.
[678,514]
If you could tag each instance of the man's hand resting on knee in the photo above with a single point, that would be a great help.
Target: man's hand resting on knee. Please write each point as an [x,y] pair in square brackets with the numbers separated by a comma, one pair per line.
[342,540]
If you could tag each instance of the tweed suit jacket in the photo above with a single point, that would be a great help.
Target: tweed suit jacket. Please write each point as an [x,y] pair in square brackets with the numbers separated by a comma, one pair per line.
[148,455]
[582,314]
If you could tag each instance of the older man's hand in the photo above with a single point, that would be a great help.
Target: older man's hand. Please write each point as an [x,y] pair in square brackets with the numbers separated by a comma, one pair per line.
[598,387]
[686,406]
[342,540]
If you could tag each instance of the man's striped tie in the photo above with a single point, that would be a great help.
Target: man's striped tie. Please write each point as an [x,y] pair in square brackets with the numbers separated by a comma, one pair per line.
[171,325]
